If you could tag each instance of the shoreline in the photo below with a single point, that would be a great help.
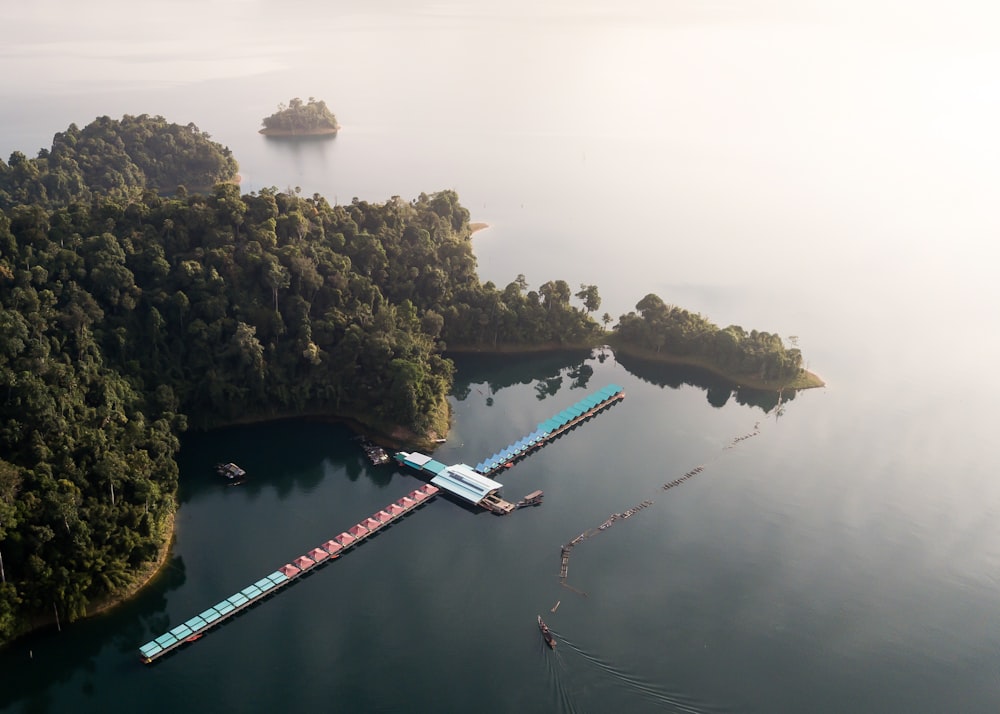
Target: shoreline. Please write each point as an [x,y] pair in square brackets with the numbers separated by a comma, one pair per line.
[144,576]
[393,437]
[805,380]
[397,436]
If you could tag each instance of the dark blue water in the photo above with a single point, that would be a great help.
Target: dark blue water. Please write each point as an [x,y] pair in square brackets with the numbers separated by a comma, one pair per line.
[823,175]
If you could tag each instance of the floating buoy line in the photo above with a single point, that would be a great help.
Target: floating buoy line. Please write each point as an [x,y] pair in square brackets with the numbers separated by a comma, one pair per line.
[566,549]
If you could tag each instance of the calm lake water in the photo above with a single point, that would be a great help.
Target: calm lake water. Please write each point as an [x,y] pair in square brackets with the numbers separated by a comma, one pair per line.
[827,174]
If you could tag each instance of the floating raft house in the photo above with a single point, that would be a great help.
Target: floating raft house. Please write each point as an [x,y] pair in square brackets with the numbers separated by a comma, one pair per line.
[474,485]
[460,480]
[195,627]
[551,428]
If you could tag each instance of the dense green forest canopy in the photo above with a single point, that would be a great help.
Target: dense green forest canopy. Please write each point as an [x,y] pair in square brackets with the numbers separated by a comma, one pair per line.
[116,158]
[312,117]
[126,315]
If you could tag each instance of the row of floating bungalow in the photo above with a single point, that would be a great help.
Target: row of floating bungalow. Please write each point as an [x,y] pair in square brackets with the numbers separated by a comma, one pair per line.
[551,428]
[474,485]
[198,625]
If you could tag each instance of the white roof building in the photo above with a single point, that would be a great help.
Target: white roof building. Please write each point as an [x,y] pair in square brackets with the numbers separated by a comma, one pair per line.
[466,483]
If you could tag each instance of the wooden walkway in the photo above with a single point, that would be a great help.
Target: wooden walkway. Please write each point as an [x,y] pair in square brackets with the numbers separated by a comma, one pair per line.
[194,628]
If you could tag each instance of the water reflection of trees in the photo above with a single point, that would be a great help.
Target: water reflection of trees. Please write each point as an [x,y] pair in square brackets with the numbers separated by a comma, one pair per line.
[280,456]
[718,390]
[34,664]
[546,371]
[551,371]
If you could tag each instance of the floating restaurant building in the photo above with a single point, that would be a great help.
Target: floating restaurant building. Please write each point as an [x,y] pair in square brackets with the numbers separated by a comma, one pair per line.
[474,485]
[460,480]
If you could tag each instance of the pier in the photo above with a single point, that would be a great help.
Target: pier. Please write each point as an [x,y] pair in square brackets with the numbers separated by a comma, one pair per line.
[470,484]
[193,629]
[474,485]
[552,428]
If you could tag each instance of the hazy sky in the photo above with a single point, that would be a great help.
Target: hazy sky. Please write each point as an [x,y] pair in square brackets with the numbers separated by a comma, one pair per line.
[883,100]
[89,36]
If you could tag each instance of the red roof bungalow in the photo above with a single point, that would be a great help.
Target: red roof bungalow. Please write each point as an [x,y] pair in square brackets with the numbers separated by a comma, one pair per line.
[345,539]
[406,503]
[358,531]
[371,524]
[382,517]
[395,510]
[429,489]
[289,570]
[332,547]
[418,496]
[318,555]
[302,562]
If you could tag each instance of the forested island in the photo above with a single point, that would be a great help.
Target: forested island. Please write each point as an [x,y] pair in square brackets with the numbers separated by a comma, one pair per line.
[299,118]
[118,159]
[133,308]
[671,334]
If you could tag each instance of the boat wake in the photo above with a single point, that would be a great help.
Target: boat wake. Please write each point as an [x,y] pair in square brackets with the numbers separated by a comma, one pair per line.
[661,699]
[657,696]
[556,671]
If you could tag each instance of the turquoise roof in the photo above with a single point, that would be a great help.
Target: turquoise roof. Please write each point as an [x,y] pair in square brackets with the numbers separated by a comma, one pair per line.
[225,607]
[165,640]
[435,467]
[547,427]
[181,631]
[239,599]
[195,623]
[210,615]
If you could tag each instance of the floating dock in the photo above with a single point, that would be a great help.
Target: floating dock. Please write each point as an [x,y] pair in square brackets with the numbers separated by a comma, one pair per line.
[474,485]
[198,625]
[376,454]
[552,428]
[460,480]
[532,499]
